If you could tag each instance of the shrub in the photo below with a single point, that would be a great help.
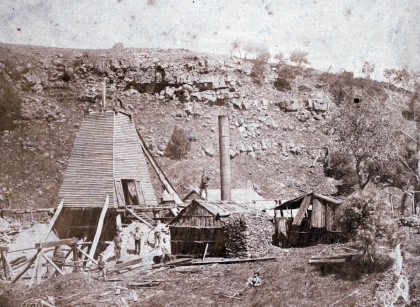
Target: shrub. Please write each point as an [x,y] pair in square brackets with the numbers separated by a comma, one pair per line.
[10,104]
[304,88]
[289,72]
[366,220]
[282,84]
[258,71]
[179,145]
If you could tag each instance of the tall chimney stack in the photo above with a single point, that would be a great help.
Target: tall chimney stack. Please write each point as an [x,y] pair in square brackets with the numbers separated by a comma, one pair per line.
[224,157]
[103,93]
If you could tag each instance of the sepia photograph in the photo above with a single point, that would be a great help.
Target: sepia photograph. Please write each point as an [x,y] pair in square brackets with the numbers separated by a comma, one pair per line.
[209,153]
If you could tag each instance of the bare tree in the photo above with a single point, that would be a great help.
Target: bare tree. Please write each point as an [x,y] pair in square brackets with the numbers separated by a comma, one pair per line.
[280,57]
[235,46]
[368,68]
[299,57]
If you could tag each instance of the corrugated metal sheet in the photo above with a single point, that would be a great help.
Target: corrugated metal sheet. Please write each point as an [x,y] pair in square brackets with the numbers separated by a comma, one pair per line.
[106,148]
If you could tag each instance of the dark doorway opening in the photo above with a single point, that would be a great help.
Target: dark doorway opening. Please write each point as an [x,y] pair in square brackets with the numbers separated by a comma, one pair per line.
[130,192]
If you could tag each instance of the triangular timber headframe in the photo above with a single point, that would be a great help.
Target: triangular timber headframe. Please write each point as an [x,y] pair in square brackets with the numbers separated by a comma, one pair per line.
[107,155]
[108,161]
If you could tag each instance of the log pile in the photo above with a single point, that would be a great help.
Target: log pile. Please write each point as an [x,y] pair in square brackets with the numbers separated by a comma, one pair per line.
[248,234]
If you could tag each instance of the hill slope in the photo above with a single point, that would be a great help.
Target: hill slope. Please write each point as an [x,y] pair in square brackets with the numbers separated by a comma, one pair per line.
[276,134]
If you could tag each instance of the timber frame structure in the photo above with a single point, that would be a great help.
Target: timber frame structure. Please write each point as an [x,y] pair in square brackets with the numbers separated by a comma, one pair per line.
[107,180]
[306,220]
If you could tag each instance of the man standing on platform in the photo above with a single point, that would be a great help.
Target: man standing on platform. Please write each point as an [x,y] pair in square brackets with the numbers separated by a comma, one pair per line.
[205,179]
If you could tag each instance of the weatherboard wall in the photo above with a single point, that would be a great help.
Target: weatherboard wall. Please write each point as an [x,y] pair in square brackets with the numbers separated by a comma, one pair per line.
[129,160]
[89,175]
[107,148]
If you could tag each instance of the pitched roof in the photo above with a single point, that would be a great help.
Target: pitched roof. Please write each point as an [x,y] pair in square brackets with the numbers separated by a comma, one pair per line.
[222,209]
[296,202]
[237,195]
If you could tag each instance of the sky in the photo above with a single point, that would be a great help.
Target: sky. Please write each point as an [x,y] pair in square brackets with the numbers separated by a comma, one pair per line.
[337,35]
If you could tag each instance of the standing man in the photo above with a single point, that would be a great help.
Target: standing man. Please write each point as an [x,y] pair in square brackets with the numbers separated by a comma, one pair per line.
[117,245]
[137,234]
[205,179]
[7,194]
[101,267]
[158,233]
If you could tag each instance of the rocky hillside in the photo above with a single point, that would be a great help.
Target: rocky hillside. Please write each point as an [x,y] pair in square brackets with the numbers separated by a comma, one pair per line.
[277,116]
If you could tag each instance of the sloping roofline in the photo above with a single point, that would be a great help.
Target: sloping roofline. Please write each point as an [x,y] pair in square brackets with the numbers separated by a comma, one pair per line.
[295,202]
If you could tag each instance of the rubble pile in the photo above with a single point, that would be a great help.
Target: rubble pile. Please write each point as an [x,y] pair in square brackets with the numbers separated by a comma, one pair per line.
[248,234]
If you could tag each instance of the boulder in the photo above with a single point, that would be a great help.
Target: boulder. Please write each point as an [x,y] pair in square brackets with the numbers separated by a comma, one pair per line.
[232,153]
[237,104]
[209,152]
[290,105]
[303,115]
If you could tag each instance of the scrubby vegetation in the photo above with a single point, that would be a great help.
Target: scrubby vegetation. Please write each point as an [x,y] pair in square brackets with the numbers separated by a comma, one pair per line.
[179,145]
[367,221]
[10,104]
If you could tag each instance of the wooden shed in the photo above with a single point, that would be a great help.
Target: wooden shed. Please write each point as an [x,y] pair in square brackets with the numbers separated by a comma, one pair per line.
[107,170]
[306,220]
[227,229]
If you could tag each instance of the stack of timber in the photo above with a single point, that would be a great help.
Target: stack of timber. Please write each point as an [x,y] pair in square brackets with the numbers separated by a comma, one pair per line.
[335,257]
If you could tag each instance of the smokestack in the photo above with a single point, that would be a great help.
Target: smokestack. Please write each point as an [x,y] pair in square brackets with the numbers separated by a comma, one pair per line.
[224,156]
[103,93]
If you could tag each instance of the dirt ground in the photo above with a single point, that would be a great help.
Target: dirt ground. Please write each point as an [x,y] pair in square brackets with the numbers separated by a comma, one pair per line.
[287,281]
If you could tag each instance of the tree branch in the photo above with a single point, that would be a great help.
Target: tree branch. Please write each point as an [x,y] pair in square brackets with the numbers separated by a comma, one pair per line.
[406,165]
[408,135]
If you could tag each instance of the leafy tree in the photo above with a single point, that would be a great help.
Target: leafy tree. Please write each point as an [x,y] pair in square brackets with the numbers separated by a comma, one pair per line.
[10,104]
[365,132]
[299,57]
[410,157]
[179,145]
[365,219]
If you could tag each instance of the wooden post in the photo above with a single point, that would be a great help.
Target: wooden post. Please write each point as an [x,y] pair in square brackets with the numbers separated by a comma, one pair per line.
[89,257]
[38,269]
[139,218]
[8,272]
[118,220]
[205,251]
[36,276]
[98,230]
[53,220]
[75,255]
[30,262]
[52,263]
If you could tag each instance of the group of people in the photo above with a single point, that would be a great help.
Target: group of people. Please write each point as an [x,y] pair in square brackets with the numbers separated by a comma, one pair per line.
[137,235]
